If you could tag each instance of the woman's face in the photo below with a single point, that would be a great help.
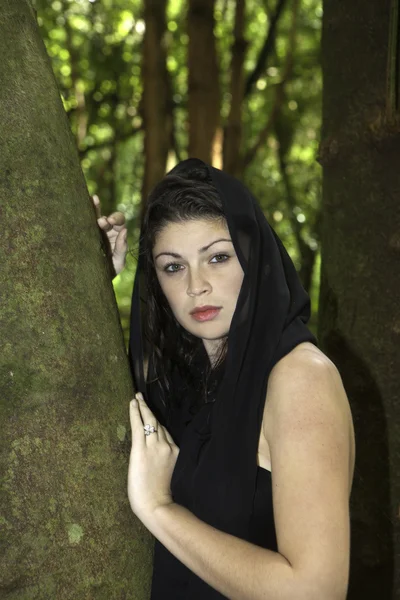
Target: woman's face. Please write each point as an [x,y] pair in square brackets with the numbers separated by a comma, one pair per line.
[196,265]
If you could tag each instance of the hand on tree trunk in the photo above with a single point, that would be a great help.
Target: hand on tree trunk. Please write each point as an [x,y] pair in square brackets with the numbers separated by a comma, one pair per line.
[151,464]
[115,228]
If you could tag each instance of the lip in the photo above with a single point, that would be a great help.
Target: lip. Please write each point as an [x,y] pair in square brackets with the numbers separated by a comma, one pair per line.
[203,308]
[206,315]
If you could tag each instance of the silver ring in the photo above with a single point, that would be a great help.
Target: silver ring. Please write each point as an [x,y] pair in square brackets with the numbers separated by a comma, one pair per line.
[148,429]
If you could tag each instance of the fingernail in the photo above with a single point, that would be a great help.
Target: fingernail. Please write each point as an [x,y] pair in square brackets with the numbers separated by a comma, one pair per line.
[134,403]
[139,396]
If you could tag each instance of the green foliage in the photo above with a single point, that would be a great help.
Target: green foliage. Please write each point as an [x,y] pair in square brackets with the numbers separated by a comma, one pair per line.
[95,49]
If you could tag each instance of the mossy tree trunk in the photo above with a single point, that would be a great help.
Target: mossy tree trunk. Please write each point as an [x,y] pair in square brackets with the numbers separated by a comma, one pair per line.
[67,531]
[360,284]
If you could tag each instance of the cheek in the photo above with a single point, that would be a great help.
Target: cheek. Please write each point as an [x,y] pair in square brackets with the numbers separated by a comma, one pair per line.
[170,292]
[237,280]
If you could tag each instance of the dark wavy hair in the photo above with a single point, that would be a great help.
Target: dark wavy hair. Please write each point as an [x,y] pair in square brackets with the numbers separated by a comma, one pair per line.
[185,195]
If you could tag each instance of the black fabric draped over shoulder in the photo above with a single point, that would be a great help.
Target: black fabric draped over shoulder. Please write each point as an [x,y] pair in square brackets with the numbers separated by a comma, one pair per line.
[270,319]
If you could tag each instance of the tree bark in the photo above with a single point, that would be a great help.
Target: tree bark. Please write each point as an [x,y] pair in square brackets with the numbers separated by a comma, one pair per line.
[156,101]
[67,528]
[203,80]
[359,315]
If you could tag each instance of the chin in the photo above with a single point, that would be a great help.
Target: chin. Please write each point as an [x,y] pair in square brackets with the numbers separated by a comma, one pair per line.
[205,330]
[215,330]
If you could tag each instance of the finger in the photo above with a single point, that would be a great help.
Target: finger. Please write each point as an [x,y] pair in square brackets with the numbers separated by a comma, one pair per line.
[96,202]
[104,224]
[136,423]
[121,244]
[161,434]
[116,218]
[169,436]
[145,410]
[147,415]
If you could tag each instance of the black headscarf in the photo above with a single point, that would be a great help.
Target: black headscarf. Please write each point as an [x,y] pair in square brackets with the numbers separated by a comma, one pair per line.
[269,321]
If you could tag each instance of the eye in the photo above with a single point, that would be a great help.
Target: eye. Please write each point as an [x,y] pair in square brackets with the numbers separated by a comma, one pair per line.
[167,270]
[223,255]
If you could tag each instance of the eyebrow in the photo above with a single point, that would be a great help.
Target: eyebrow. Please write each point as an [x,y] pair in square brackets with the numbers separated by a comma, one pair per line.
[203,249]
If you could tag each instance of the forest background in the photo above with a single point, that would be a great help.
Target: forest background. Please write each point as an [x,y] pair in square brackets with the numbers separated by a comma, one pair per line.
[144,84]
[236,84]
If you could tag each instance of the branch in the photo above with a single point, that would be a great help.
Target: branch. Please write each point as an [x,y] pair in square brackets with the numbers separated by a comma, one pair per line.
[280,91]
[290,198]
[267,48]
[264,133]
[111,142]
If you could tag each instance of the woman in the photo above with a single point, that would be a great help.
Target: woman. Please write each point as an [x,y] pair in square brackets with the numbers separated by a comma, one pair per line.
[242,439]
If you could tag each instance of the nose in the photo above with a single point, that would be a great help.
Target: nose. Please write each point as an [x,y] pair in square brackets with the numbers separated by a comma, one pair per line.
[197,285]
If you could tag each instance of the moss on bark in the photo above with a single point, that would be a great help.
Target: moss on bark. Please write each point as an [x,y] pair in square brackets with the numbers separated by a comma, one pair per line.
[67,528]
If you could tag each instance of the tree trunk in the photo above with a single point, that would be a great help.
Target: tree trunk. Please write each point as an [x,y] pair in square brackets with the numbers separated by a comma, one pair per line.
[203,80]
[360,288]
[233,129]
[156,101]
[67,528]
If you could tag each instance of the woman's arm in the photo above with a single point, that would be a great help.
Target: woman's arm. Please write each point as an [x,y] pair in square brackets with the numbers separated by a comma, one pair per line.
[310,450]
[234,567]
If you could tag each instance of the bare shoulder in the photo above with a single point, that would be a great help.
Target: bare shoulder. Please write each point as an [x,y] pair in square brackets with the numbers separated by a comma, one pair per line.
[306,385]
[305,368]
[308,427]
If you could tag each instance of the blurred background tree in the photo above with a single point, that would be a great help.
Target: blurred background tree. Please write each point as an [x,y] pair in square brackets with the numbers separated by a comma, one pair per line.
[148,83]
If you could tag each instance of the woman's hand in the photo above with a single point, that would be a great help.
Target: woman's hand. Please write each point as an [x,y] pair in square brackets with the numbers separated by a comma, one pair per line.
[151,462]
[115,228]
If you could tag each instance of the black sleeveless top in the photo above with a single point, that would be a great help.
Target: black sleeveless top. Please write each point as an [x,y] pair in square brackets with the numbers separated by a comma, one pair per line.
[191,431]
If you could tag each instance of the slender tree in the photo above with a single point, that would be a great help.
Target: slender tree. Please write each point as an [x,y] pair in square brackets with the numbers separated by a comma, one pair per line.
[203,80]
[67,531]
[233,128]
[360,287]
[156,102]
